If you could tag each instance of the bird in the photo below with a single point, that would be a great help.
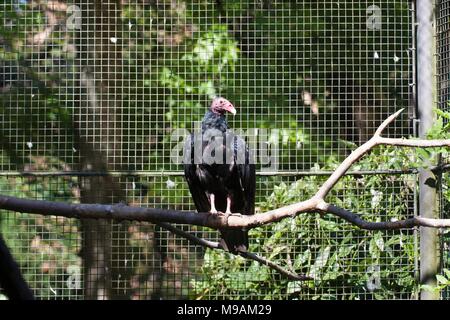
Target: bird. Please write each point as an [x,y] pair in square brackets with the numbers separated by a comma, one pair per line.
[220,172]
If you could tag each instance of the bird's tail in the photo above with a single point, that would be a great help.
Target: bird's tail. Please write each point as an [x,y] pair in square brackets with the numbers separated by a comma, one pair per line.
[234,241]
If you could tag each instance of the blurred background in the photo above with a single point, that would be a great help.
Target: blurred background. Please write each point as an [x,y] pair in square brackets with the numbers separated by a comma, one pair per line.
[93,97]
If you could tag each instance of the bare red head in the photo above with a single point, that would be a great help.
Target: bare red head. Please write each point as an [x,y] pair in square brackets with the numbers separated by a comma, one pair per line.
[221,105]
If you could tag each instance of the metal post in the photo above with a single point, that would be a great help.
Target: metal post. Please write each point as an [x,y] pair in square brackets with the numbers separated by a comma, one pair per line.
[426,97]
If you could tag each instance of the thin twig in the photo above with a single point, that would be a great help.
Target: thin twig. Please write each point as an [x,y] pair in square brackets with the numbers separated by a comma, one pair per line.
[384,225]
[189,236]
[216,245]
[264,261]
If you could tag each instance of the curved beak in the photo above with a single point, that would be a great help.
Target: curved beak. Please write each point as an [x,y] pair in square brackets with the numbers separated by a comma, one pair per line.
[230,108]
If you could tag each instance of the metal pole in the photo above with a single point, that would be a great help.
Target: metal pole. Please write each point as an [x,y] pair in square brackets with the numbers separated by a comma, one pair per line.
[426,94]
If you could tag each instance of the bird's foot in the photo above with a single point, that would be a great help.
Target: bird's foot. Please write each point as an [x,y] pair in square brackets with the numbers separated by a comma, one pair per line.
[234,214]
[223,214]
[228,210]
[228,214]
[212,202]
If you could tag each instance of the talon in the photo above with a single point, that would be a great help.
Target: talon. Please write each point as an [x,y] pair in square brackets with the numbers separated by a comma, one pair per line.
[213,206]
[228,211]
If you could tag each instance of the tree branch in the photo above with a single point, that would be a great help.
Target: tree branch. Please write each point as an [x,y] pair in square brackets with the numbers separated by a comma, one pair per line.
[11,279]
[189,236]
[216,245]
[384,225]
[270,264]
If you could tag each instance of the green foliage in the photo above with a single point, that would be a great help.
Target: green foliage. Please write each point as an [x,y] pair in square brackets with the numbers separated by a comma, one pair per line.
[46,247]
[442,280]
[441,130]
[16,20]
[375,264]
[206,69]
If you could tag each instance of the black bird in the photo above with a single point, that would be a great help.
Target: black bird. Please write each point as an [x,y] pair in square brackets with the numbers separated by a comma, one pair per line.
[220,172]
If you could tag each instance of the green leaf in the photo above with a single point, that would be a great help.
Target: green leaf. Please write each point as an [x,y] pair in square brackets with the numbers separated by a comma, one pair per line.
[294,286]
[429,288]
[320,261]
[379,241]
[447,273]
[441,279]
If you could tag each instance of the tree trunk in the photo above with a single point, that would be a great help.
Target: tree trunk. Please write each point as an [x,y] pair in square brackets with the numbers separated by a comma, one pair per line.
[99,134]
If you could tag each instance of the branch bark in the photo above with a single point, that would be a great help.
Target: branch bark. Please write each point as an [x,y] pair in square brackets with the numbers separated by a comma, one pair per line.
[216,245]
[11,279]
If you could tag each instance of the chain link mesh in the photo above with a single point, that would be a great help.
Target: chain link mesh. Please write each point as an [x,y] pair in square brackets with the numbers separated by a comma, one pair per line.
[95,87]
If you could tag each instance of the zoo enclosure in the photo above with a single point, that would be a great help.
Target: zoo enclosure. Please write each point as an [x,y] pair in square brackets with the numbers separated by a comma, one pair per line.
[97,94]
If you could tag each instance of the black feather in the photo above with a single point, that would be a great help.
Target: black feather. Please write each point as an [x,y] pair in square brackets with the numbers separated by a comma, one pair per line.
[233,175]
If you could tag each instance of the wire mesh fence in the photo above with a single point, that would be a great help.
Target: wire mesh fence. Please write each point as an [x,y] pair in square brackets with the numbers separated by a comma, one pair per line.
[443,80]
[98,95]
